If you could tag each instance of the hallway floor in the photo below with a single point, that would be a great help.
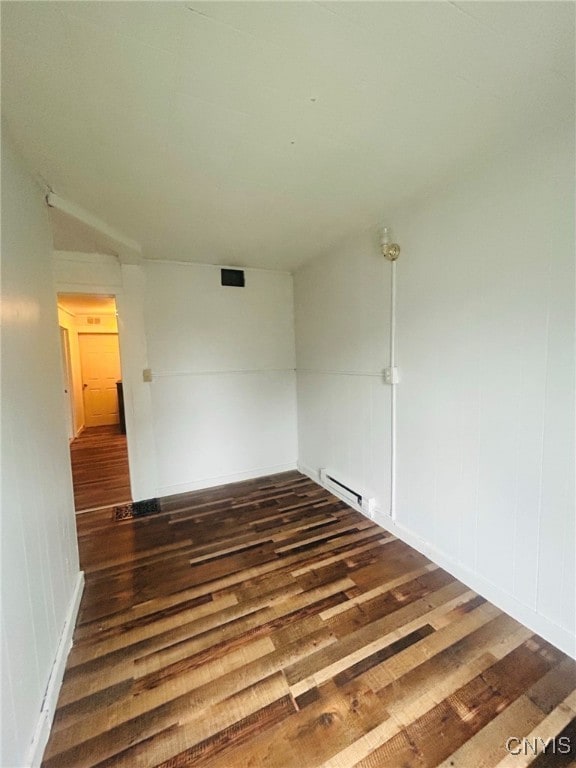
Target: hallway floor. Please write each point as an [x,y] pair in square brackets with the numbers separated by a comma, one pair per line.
[266,624]
[100,471]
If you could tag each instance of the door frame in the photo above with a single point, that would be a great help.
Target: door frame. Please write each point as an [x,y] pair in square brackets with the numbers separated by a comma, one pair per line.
[98,274]
[68,383]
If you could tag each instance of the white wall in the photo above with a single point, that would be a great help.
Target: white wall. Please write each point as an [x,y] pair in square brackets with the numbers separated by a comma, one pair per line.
[223,395]
[41,583]
[137,393]
[222,405]
[342,327]
[486,401]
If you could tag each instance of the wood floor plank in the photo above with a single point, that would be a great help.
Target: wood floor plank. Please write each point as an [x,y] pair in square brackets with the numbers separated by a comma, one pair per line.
[554,723]
[265,623]
[522,719]
[371,638]
[100,472]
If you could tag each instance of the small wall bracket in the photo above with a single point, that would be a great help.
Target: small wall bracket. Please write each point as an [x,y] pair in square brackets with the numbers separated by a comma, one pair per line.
[391,375]
[390,251]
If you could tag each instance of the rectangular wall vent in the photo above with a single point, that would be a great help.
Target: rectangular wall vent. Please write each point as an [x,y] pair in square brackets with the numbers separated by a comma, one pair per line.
[358,500]
[233,277]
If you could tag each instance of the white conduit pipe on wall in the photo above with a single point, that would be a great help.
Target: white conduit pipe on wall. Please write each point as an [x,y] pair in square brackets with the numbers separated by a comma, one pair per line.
[393,391]
[391,251]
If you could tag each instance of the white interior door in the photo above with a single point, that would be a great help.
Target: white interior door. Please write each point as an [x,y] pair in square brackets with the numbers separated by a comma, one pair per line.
[100,358]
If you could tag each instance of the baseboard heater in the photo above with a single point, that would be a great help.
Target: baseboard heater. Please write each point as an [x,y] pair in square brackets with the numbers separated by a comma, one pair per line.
[365,504]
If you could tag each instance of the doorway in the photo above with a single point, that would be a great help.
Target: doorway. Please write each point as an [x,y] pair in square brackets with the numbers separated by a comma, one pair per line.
[98,450]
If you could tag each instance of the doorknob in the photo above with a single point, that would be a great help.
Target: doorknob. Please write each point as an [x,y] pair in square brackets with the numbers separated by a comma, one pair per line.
[84,386]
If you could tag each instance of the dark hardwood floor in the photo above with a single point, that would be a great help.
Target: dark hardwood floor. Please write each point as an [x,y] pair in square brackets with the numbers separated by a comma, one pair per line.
[100,471]
[266,624]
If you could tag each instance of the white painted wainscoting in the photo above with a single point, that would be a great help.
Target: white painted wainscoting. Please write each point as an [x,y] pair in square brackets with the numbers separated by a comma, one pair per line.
[41,582]
[342,328]
[485,403]
[350,413]
[223,388]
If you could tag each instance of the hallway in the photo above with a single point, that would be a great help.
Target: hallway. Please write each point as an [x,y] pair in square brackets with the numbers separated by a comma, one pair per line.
[100,470]
[265,623]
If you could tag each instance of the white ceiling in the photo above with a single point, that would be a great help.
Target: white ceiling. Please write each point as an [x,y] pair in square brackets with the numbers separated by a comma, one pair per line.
[260,133]
[84,304]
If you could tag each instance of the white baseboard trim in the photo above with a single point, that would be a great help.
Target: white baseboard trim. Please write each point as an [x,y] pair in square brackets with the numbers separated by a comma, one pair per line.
[211,482]
[311,473]
[525,614]
[42,731]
